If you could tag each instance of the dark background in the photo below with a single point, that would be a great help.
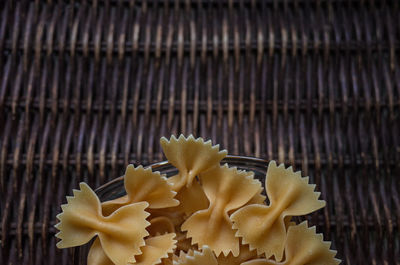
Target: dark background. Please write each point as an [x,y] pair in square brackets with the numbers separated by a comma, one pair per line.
[87,87]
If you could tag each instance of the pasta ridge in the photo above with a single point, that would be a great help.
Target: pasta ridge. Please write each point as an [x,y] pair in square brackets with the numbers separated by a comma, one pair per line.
[244,255]
[156,249]
[206,256]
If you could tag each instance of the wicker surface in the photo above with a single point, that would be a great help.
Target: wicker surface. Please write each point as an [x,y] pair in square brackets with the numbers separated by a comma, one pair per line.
[87,87]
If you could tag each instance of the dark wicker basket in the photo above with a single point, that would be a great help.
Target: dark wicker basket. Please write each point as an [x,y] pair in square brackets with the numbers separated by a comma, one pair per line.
[87,87]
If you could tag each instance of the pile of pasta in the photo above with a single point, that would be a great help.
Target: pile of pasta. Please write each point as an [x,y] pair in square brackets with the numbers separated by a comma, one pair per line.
[207,213]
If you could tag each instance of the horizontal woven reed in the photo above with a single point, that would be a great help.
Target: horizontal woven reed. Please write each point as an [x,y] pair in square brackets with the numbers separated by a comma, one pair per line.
[87,87]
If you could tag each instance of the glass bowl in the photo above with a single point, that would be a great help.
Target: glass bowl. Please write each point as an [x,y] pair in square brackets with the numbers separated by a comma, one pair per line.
[115,188]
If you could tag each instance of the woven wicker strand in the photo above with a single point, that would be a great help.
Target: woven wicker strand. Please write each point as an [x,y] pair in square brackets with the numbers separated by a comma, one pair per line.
[87,87]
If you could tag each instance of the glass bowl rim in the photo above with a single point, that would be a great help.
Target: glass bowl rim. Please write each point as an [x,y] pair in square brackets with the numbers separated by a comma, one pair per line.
[156,165]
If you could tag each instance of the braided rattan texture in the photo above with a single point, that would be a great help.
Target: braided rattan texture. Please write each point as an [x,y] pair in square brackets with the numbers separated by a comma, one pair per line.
[87,87]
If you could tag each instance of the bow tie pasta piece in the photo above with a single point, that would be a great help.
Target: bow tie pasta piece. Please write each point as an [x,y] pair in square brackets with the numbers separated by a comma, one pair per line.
[263,227]
[141,184]
[82,219]
[96,255]
[258,198]
[303,246]
[192,199]
[191,157]
[245,254]
[156,248]
[204,257]
[226,189]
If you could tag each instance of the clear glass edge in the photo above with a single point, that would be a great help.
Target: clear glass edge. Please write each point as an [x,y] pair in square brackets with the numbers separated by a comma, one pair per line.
[229,159]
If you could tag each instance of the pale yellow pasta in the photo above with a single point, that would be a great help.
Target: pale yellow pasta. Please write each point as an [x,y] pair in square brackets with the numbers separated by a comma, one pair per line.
[205,257]
[244,255]
[96,255]
[192,199]
[173,213]
[207,214]
[263,227]
[82,219]
[156,248]
[226,189]
[191,157]
[141,184]
[160,225]
[303,247]
[258,198]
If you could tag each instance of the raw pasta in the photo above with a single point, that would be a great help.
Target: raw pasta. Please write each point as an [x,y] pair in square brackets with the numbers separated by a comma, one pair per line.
[206,256]
[226,189]
[303,246]
[244,255]
[141,184]
[155,249]
[191,157]
[97,256]
[192,199]
[160,225]
[263,227]
[206,214]
[82,219]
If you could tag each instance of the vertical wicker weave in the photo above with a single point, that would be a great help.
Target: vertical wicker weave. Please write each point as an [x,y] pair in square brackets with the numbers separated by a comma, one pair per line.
[87,87]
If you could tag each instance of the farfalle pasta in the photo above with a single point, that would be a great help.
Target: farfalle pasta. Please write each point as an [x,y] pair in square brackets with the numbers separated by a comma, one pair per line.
[192,199]
[97,256]
[258,198]
[82,219]
[263,227]
[206,256]
[191,157]
[226,189]
[205,214]
[245,254]
[142,184]
[155,249]
[303,246]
